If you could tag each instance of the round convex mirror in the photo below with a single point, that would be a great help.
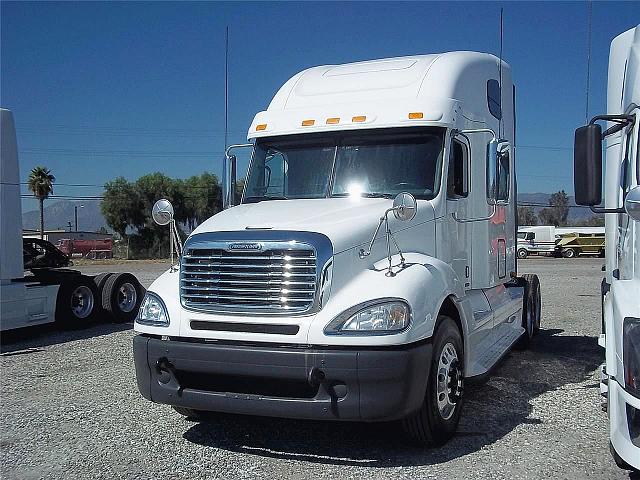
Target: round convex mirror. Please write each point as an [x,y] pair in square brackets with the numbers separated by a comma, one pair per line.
[162,212]
[405,206]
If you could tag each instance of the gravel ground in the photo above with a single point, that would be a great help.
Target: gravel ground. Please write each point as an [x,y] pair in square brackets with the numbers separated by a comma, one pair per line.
[71,409]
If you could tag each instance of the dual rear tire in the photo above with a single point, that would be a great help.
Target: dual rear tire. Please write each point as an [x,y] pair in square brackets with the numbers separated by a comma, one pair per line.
[120,295]
[77,302]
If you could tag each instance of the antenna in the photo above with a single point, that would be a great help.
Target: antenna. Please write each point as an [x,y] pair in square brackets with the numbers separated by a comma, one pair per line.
[500,76]
[586,109]
[226,86]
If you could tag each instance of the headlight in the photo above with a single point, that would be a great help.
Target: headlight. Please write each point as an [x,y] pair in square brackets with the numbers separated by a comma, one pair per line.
[631,354]
[152,311]
[378,317]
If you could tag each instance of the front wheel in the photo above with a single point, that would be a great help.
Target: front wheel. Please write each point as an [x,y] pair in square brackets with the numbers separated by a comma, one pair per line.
[437,419]
[522,253]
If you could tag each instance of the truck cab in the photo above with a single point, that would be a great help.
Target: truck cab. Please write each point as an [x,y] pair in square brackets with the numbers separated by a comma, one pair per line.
[369,266]
[620,380]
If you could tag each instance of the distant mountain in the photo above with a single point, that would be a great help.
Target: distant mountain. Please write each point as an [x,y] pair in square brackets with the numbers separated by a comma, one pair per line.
[576,213]
[57,215]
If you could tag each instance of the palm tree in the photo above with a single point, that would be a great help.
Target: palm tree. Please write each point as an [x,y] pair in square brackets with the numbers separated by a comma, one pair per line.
[41,184]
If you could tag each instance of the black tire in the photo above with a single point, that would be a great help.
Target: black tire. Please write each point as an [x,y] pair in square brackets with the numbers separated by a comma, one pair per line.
[531,310]
[522,253]
[428,426]
[77,302]
[100,280]
[121,297]
[569,253]
[191,413]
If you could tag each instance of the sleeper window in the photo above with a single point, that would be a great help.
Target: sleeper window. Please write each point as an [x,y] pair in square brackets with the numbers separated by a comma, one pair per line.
[457,179]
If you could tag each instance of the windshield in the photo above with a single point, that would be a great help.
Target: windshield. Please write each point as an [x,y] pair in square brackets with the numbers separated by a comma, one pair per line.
[370,163]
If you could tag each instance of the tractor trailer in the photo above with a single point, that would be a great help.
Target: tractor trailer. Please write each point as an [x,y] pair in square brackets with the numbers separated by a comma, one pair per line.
[620,378]
[369,267]
[45,294]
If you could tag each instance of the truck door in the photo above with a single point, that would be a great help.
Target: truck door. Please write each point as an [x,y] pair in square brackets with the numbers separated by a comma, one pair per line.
[458,240]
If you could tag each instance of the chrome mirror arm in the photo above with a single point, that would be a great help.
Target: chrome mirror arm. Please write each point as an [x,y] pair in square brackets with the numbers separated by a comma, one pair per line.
[389,238]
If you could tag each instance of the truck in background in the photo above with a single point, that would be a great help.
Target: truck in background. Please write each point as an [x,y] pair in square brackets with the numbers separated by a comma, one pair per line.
[369,268]
[47,294]
[91,249]
[620,379]
[565,242]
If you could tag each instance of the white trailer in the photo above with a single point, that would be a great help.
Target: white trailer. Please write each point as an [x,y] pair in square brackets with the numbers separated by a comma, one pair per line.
[370,266]
[621,287]
[46,295]
[543,239]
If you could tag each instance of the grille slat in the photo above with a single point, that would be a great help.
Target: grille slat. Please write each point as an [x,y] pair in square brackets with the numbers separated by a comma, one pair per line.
[281,277]
[249,265]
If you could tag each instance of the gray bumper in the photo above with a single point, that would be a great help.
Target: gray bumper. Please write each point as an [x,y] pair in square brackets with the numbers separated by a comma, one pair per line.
[313,383]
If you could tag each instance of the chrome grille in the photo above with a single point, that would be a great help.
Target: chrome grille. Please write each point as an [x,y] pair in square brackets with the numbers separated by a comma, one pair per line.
[269,277]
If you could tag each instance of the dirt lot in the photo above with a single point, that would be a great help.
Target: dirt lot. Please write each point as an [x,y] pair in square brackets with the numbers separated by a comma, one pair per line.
[71,409]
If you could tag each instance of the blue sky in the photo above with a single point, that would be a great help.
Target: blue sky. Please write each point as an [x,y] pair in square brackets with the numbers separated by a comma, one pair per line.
[106,89]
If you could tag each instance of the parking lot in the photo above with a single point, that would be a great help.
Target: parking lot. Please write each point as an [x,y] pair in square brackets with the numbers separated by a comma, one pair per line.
[71,409]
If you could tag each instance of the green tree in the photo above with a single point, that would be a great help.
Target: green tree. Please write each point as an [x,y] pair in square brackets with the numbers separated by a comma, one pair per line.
[557,211]
[41,185]
[121,206]
[526,216]
[127,208]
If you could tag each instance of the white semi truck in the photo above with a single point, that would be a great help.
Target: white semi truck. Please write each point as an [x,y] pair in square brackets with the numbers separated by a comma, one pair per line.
[621,287]
[46,295]
[370,265]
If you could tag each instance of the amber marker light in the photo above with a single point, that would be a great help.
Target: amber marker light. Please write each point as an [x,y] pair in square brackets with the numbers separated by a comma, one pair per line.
[308,123]
[333,120]
[359,118]
[262,126]
[416,115]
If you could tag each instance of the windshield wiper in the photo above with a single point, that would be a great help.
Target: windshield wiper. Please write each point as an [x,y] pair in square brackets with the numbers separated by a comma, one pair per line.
[261,198]
[365,195]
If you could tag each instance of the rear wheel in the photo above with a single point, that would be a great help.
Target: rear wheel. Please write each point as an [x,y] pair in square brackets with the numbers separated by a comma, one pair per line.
[437,419]
[569,253]
[121,297]
[522,253]
[76,303]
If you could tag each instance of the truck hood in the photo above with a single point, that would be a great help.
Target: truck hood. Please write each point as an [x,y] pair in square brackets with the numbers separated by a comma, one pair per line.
[347,222]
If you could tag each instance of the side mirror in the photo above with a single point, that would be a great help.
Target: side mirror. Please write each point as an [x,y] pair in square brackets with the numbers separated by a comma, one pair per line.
[229,181]
[492,172]
[632,203]
[162,212]
[587,165]
[405,206]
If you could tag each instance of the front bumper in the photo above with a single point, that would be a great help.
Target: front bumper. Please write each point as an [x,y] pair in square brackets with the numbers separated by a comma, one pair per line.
[353,383]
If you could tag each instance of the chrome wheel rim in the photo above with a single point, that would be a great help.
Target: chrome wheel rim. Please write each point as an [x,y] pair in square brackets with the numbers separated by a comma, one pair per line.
[82,302]
[449,381]
[127,297]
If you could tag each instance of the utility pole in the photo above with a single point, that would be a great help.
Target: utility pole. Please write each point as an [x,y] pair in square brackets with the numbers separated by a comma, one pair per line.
[75,209]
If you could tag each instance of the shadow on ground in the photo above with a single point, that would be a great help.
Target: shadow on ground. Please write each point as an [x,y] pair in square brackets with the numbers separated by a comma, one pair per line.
[32,339]
[492,410]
